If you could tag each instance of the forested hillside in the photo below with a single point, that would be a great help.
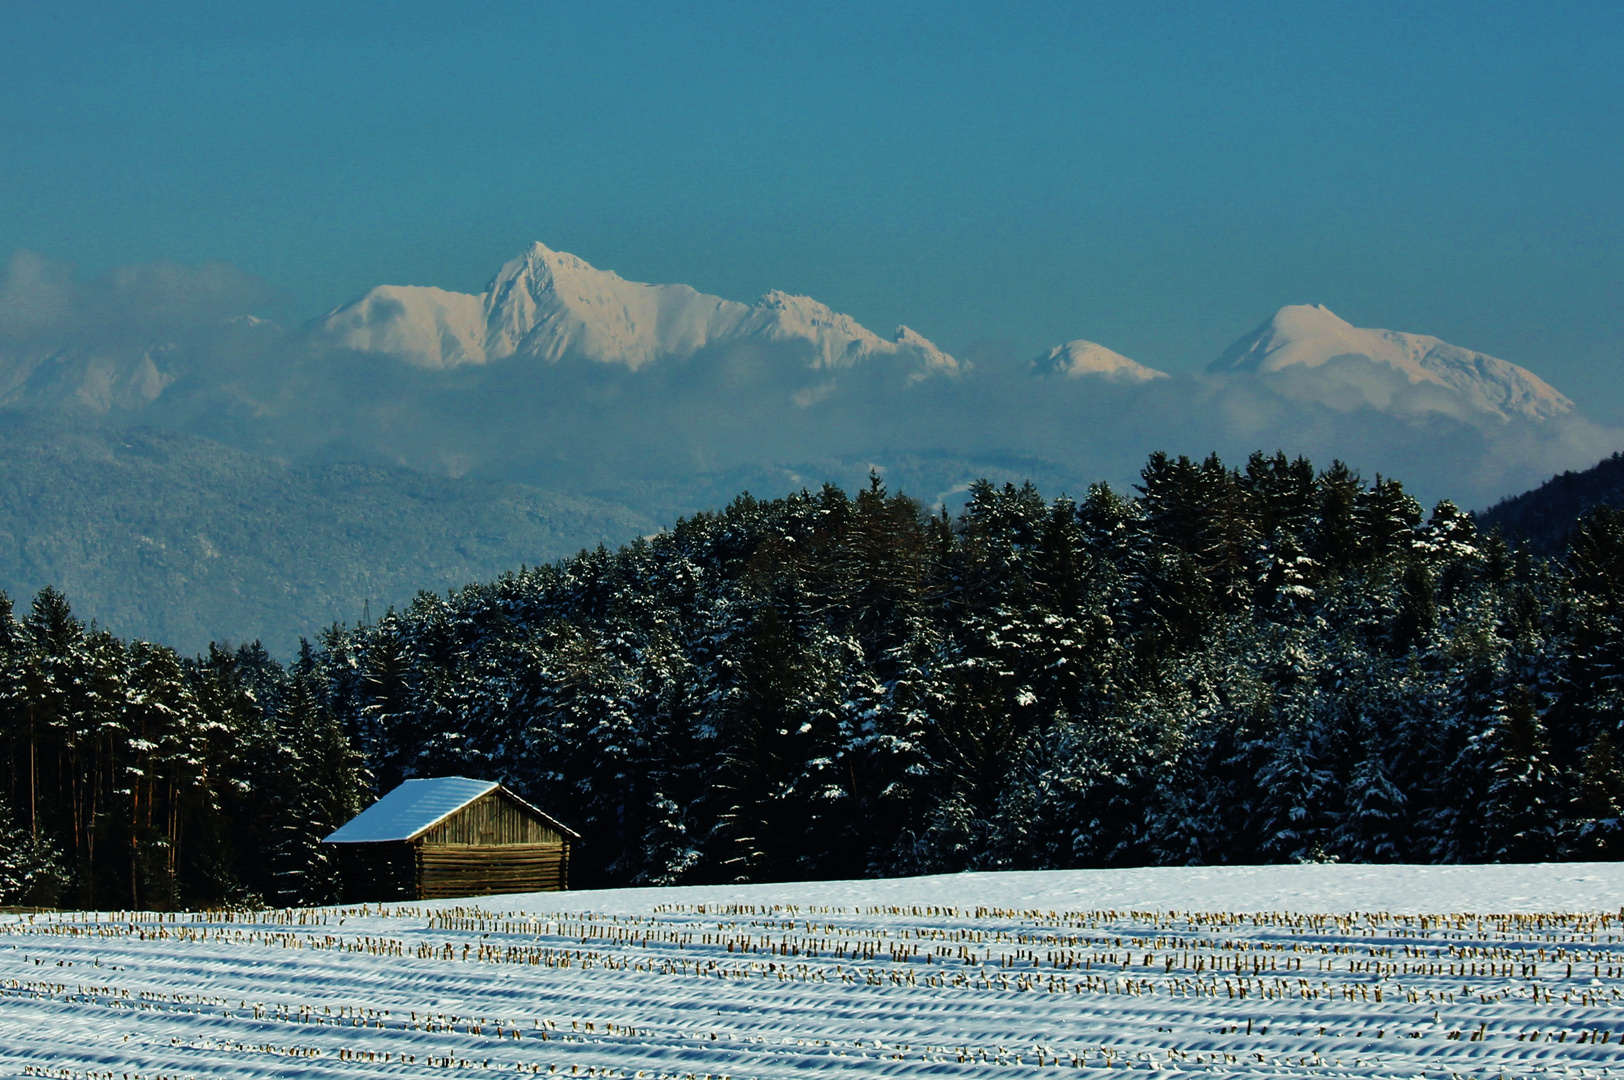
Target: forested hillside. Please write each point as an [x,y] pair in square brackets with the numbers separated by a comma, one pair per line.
[184,540]
[1543,518]
[1269,663]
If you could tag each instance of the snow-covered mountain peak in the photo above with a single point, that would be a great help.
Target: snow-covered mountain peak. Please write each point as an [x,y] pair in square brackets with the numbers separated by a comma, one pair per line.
[806,314]
[1078,359]
[1296,334]
[837,339]
[935,359]
[547,304]
[539,268]
[1324,356]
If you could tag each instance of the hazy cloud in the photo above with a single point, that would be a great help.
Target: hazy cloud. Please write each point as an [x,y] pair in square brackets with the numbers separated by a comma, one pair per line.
[42,298]
[36,295]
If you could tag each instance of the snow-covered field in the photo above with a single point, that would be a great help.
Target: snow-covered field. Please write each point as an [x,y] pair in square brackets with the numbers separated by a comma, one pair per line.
[1279,971]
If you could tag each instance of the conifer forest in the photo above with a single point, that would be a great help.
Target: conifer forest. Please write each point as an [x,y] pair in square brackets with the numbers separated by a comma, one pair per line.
[1265,664]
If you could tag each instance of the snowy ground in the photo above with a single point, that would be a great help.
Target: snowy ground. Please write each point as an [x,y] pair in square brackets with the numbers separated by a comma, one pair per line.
[1270,971]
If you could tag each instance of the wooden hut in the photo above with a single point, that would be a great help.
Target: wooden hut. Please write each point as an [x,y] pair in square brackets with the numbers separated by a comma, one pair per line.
[450,836]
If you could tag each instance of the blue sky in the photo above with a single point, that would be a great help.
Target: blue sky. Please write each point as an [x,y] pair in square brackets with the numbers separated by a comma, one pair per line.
[1000,177]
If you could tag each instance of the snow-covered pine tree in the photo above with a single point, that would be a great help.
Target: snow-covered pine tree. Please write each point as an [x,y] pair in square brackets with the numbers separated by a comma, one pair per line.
[31,872]
[1522,804]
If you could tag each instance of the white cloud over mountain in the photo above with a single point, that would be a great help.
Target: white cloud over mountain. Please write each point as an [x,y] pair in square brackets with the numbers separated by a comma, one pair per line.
[113,343]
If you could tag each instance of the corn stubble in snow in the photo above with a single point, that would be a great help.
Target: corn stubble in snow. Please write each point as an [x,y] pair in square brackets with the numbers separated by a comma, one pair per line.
[903,978]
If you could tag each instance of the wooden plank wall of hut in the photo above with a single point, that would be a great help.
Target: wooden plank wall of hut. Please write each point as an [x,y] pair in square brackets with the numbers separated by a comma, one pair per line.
[448,870]
[377,872]
[491,819]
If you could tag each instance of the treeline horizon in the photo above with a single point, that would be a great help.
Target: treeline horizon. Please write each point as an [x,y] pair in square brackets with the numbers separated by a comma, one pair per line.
[1269,663]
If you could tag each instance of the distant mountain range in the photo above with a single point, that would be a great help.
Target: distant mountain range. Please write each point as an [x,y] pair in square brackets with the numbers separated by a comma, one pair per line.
[606,406]
[552,307]
[547,305]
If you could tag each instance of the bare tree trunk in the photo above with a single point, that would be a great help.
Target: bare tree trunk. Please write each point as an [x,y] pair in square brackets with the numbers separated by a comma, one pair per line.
[174,830]
[139,765]
[90,817]
[75,798]
[135,841]
[33,773]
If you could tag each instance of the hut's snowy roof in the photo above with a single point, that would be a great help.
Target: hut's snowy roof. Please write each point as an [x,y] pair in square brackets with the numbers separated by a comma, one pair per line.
[414,807]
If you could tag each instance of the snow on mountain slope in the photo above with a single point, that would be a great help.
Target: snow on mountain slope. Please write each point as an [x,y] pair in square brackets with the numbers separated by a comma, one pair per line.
[547,304]
[1077,359]
[95,381]
[1313,347]
[431,327]
[837,340]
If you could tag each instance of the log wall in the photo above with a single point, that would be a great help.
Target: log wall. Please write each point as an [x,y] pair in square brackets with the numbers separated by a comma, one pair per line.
[449,870]
[492,819]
